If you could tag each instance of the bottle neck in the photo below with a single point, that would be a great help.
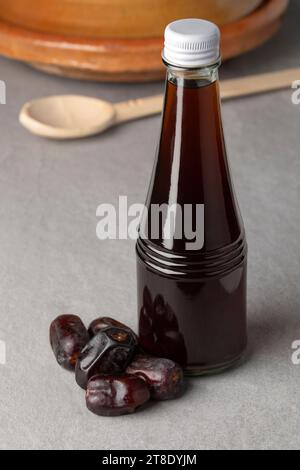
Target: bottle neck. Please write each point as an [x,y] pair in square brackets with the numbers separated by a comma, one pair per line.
[194,78]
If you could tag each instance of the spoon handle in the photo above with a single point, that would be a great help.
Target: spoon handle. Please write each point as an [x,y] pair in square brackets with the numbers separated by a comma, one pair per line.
[133,109]
[232,88]
[260,83]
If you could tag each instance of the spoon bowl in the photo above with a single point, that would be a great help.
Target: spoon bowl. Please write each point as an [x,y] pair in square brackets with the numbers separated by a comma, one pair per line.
[67,116]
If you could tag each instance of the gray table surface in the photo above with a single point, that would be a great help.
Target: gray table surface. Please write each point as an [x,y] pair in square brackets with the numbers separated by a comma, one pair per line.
[52,262]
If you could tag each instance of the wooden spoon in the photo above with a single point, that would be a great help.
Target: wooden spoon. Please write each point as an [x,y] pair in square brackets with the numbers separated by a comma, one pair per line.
[73,116]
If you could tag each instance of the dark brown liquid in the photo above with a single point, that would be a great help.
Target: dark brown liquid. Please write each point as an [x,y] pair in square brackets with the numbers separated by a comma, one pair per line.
[192,304]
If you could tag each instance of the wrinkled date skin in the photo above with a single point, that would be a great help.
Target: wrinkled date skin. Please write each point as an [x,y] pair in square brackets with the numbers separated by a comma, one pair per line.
[163,376]
[104,322]
[108,352]
[116,395]
[68,336]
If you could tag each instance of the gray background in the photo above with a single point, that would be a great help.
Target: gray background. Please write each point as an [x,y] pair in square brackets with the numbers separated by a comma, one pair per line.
[52,262]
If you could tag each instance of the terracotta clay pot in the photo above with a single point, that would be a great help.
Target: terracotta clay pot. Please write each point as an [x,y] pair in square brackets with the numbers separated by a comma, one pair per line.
[117,18]
[121,40]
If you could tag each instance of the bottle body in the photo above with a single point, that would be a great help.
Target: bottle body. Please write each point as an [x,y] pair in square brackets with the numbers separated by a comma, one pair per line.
[192,299]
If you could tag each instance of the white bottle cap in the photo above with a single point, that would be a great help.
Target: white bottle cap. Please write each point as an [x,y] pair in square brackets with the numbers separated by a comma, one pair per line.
[191,43]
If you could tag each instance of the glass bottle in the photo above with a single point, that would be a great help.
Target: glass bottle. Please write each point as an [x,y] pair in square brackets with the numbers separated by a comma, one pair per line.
[191,250]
